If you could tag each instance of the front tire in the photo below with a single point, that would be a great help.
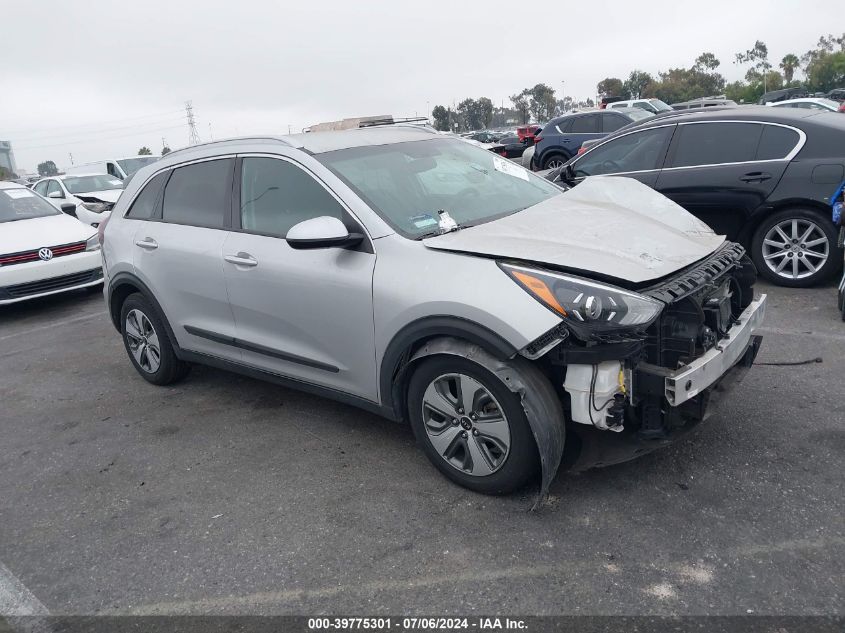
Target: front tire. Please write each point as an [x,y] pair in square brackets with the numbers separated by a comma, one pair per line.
[796,248]
[472,427]
[147,343]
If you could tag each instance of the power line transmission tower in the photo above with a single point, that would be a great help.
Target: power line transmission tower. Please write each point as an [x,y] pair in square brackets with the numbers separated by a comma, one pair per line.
[193,135]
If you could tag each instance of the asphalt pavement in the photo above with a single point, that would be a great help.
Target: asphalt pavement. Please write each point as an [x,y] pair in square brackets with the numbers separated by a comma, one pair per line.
[223,494]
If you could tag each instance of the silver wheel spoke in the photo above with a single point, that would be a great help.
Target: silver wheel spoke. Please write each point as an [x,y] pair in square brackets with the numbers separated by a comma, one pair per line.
[480,464]
[436,401]
[786,238]
[807,233]
[794,267]
[782,264]
[810,265]
[773,255]
[468,388]
[815,254]
[794,229]
[495,427]
[821,240]
[443,440]
[770,242]
[132,328]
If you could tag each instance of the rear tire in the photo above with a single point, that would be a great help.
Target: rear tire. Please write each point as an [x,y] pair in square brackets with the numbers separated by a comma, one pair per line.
[796,248]
[484,441]
[554,161]
[147,343]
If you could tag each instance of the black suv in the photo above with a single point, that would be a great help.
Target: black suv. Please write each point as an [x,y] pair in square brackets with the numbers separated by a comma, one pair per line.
[761,176]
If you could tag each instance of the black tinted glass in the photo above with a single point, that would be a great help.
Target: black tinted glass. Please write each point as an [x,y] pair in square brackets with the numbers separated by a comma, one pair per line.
[144,205]
[716,143]
[276,194]
[199,194]
[633,152]
[611,122]
[585,124]
[776,142]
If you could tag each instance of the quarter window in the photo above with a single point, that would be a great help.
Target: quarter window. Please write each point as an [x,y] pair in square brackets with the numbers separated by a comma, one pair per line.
[53,186]
[199,194]
[588,124]
[776,142]
[716,143]
[639,151]
[144,205]
[276,195]
[612,122]
[41,188]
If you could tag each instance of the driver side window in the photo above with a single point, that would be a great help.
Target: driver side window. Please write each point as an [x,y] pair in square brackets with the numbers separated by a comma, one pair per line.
[639,151]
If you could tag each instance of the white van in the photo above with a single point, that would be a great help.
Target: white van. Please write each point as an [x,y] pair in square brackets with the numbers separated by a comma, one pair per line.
[121,168]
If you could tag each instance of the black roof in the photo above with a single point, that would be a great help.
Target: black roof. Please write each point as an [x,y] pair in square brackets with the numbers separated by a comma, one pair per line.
[797,117]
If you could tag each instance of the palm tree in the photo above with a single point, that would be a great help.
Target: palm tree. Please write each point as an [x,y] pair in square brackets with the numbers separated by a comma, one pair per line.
[788,64]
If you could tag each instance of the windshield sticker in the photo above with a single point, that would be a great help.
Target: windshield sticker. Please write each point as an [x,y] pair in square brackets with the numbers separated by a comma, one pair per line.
[511,169]
[423,221]
[19,193]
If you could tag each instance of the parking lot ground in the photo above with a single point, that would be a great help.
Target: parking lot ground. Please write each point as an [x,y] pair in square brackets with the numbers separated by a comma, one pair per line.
[227,495]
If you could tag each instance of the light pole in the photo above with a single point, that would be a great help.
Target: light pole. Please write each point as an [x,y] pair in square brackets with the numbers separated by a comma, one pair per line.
[563,94]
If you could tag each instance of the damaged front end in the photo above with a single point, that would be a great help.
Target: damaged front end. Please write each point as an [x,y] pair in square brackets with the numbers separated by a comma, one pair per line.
[633,378]
[95,205]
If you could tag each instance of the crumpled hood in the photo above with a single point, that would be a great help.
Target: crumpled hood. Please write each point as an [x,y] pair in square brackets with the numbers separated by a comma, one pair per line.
[109,195]
[610,225]
[51,230]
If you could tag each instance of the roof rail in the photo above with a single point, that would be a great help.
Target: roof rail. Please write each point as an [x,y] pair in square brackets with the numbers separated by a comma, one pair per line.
[230,140]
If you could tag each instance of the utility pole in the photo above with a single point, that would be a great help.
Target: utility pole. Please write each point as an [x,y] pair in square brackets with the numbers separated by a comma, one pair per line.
[193,135]
[563,95]
[71,157]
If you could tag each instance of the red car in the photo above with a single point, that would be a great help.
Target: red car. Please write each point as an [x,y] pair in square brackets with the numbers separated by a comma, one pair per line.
[526,132]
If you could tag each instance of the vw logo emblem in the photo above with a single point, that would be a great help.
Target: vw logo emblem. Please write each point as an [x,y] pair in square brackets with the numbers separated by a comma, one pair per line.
[46,254]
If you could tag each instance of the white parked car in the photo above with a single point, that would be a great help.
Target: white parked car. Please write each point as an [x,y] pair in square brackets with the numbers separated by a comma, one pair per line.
[42,250]
[93,195]
[655,106]
[122,168]
[809,103]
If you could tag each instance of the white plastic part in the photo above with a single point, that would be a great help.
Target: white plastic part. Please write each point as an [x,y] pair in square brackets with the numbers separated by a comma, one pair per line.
[577,384]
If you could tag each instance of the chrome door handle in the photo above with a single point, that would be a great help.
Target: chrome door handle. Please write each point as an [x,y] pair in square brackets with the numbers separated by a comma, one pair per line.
[241,259]
[147,243]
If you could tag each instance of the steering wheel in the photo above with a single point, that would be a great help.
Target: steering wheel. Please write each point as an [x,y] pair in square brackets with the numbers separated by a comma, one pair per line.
[610,166]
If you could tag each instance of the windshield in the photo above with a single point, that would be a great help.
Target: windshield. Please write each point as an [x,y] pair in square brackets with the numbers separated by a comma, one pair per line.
[84,184]
[407,184]
[23,204]
[660,106]
[131,165]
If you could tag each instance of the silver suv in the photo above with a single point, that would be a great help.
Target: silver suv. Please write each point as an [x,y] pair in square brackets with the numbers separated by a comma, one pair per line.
[420,277]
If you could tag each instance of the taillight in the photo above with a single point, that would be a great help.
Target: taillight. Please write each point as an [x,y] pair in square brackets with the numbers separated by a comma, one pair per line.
[537,139]
[581,150]
[101,235]
[842,107]
[603,106]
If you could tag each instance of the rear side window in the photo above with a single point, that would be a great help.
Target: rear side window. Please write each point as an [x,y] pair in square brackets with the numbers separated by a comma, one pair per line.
[276,194]
[716,143]
[776,142]
[199,194]
[563,126]
[586,124]
[144,205]
[612,122]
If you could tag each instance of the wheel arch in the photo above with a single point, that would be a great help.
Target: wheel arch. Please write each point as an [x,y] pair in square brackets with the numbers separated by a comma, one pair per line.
[398,357]
[746,235]
[122,286]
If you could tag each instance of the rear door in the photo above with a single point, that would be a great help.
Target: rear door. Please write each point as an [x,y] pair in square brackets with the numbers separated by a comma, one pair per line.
[584,127]
[302,313]
[721,171]
[179,255]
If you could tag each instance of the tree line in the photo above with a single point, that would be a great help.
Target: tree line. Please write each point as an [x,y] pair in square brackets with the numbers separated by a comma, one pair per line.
[823,68]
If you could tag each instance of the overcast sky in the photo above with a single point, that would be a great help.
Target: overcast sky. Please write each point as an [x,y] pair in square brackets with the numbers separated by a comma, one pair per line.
[101,79]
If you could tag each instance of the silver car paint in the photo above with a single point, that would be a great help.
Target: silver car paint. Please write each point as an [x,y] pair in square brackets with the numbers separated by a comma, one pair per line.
[609,225]
[344,318]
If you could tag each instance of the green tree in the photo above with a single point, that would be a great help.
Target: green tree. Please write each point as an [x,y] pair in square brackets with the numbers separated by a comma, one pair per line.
[47,168]
[145,151]
[706,61]
[611,87]
[788,65]
[541,102]
[521,105]
[683,84]
[827,71]
[441,118]
[637,83]
[5,174]
[165,150]
[758,56]
[485,108]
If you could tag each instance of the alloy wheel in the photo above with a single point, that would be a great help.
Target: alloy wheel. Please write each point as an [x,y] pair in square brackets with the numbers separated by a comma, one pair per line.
[555,163]
[795,248]
[143,341]
[465,424]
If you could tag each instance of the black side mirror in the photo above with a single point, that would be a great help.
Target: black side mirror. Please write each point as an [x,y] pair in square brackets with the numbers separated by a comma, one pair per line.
[69,208]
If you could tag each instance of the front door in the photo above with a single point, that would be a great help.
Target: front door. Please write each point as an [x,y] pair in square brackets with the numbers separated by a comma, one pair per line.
[304,314]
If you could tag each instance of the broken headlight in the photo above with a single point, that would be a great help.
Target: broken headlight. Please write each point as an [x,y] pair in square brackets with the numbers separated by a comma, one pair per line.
[587,307]
[97,207]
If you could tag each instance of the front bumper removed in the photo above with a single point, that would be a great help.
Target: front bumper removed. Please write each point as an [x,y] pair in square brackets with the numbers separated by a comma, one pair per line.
[684,383]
